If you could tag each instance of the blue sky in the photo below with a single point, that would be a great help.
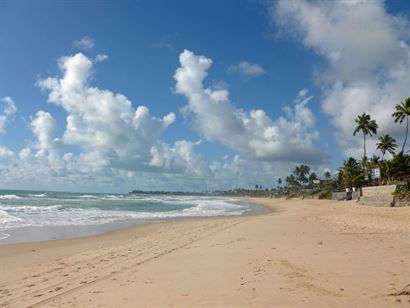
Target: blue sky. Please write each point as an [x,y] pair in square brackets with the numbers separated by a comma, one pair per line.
[144,40]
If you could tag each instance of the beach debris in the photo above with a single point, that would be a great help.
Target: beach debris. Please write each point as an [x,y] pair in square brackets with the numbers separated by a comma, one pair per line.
[404,291]
[320,243]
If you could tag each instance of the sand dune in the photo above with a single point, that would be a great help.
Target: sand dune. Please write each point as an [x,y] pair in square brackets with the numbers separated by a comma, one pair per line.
[305,253]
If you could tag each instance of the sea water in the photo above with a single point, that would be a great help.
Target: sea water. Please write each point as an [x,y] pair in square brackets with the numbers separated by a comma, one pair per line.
[42,215]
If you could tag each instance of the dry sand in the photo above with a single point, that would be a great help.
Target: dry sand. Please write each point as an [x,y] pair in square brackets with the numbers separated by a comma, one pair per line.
[304,254]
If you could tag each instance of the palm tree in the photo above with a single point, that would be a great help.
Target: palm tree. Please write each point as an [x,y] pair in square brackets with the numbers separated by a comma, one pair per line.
[351,172]
[403,112]
[401,166]
[291,180]
[387,170]
[367,126]
[300,173]
[304,171]
[328,175]
[296,172]
[312,177]
[386,143]
[279,181]
[373,162]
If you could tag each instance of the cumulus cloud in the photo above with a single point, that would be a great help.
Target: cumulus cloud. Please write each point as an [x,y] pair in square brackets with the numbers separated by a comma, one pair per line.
[247,69]
[119,146]
[7,110]
[85,43]
[368,56]
[111,133]
[44,127]
[6,153]
[252,133]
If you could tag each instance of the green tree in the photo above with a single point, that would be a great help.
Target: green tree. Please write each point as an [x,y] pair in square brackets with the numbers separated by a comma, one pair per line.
[312,177]
[387,170]
[304,172]
[402,112]
[328,175]
[401,166]
[386,144]
[279,181]
[373,162]
[351,172]
[291,180]
[296,172]
[367,126]
[301,172]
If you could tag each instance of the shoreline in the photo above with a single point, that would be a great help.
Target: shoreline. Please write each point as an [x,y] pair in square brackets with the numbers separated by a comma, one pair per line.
[63,232]
[304,253]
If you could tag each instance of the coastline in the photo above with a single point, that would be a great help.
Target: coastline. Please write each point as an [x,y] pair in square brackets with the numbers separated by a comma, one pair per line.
[309,252]
[27,234]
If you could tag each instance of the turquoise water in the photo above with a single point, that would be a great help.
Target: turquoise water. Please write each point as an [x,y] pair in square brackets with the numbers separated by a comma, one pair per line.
[23,209]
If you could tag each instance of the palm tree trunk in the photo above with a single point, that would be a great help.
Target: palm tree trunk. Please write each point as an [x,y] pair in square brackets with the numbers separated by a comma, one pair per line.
[364,158]
[407,131]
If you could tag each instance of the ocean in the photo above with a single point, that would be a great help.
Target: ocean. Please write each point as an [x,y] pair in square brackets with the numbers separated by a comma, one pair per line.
[42,215]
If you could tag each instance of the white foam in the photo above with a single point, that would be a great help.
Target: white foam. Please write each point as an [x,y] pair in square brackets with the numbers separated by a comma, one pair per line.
[9,197]
[38,195]
[30,208]
[67,214]
[8,221]
[89,196]
[4,236]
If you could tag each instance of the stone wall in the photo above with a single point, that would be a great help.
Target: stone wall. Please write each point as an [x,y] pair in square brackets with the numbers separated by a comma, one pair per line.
[378,195]
[356,194]
[399,203]
[343,195]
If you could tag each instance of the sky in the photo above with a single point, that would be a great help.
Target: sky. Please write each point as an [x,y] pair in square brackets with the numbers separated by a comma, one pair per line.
[110,96]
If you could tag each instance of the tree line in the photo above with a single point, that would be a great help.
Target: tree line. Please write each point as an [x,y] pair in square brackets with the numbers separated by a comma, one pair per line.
[353,172]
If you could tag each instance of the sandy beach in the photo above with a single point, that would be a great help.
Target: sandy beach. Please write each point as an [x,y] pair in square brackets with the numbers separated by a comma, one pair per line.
[307,253]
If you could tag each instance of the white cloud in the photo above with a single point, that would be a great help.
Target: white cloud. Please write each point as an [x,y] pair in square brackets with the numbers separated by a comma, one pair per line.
[10,106]
[251,133]
[368,58]
[246,68]
[121,147]
[109,130]
[7,110]
[44,127]
[85,43]
[5,153]
[101,57]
